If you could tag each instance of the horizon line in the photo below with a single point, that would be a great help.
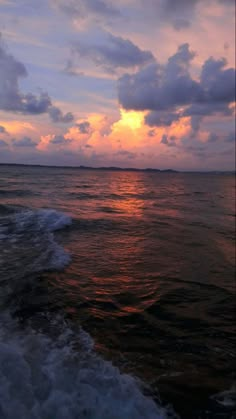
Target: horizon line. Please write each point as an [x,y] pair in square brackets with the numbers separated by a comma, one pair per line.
[117,168]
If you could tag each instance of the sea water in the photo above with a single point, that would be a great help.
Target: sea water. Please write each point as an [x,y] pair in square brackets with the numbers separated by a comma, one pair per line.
[117,294]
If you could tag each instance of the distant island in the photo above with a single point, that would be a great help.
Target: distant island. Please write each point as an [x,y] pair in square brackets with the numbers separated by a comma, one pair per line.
[111,168]
[118,169]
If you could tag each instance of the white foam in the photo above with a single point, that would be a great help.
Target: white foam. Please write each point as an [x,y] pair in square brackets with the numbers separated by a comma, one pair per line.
[53,220]
[226,398]
[44,379]
[46,219]
[27,239]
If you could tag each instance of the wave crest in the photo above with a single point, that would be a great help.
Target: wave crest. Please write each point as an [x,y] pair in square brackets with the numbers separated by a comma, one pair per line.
[43,378]
[28,246]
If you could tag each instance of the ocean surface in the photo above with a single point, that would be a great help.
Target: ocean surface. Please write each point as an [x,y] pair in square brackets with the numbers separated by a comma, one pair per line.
[117,294]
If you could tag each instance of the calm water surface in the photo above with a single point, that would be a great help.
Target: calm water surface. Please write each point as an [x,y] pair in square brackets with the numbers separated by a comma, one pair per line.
[144,263]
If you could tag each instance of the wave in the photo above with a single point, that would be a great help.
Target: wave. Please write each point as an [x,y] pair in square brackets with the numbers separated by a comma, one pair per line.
[64,378]
[9,209]
[28,246]
[226,398]
[16,192]
[51,371]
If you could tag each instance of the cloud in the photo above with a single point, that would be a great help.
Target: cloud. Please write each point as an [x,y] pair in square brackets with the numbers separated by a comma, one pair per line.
[155,118]
[114,52]
[180,13]
[13,100]
[168,140]
[85,8]
[218,83]
[60,140]
[212,137]
[159,87]
[126,154]
[175,8]
[3,130]
[24,142]
[83,127]
[151,133]
[208,108]
[56,115]
[169,92]
[3,143]
[229,2]
[196,123]
[231,137]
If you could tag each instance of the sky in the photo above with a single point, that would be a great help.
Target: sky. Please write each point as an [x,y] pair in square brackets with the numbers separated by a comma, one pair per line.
[128,83]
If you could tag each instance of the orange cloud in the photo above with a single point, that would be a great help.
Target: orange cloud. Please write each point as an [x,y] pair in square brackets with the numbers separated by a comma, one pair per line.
[16,128]
[108,137]
[181,128]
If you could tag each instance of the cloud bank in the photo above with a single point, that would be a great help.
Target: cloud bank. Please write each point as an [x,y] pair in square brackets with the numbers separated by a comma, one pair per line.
[169,92]
[12,99]
[113,52]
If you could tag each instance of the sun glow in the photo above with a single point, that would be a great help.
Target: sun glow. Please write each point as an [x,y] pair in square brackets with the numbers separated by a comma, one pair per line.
[131,119]
[17,127]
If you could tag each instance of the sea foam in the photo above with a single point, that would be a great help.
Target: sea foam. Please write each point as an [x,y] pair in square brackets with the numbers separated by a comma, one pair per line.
[64,378]
[28,244]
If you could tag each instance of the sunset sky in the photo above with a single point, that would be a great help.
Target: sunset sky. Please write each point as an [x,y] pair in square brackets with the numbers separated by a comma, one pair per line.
[129,83]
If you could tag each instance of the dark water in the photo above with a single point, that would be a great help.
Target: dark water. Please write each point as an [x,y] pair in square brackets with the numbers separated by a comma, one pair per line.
[106,276]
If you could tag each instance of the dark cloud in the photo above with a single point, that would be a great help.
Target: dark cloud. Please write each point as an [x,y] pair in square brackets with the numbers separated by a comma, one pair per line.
[231,137]
[70,68]
[10,71]
[24,142]
[180,13]
[156,118]
[3,130]
[126,153]
[84,8]
[164,89]
[12,99]
[60,140]
[31,104]
[196,123]
[229,2]
[218,83]
[84,127]
[196,150]
[114,52]
[3,143]
[180,24]
[212,137]
[177,7]
[56,115]
[168,140]
[208,108]
[151,133]
[159,88]
[164,139]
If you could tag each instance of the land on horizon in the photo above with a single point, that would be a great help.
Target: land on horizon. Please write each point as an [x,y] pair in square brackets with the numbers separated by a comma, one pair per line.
[116,168]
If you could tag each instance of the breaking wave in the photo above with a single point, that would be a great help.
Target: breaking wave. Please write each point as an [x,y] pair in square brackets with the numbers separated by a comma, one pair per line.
[27,243]
[51,371]
[64,378]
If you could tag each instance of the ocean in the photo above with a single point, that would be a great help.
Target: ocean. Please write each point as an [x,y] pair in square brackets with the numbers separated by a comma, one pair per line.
[117,294]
